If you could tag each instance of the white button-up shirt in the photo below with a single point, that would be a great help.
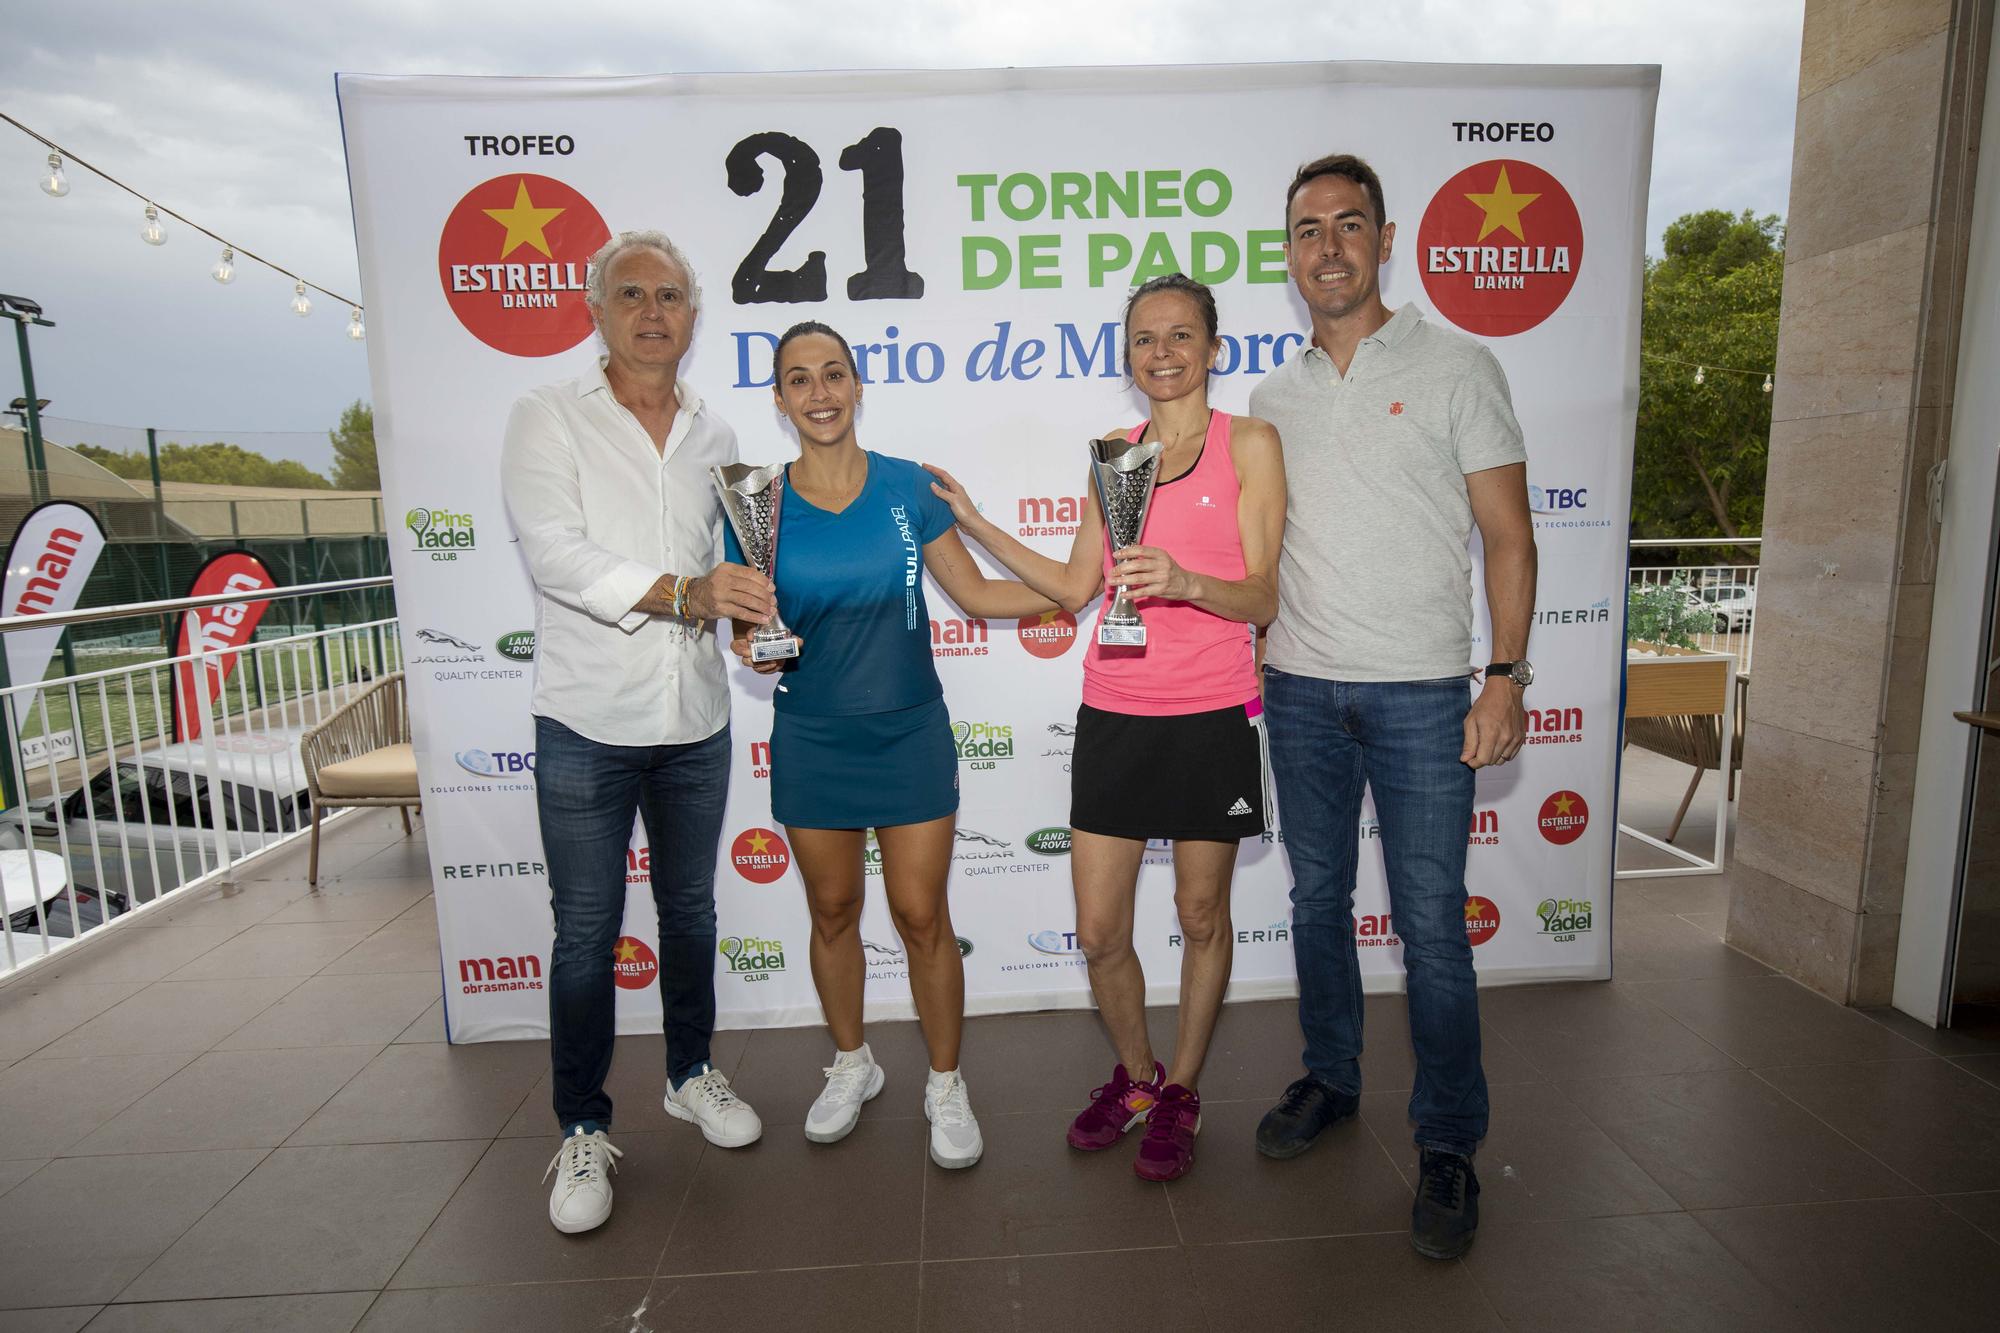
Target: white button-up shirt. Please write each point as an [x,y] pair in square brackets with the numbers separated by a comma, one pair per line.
[602,515]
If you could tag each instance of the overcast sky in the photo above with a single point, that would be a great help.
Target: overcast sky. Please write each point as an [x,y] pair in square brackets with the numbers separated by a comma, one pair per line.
[224,110]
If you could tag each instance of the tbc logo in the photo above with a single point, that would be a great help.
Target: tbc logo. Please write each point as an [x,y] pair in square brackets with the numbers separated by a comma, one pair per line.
[518,646]
[1060,943]
[633,964]
[496,763]
[1475,277]
[759,855]
[1563,817]
[513,259]
[1558,499]
[1049,634]
[1482,919]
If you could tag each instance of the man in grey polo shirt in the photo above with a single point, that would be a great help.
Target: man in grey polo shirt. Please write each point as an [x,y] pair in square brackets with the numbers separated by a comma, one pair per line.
[1399,437]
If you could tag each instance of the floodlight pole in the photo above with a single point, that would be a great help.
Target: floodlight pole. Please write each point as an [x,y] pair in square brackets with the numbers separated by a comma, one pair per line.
[38,464]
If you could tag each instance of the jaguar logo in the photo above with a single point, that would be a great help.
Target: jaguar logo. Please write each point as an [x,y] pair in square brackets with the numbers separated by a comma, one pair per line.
[968,835]
[440,637]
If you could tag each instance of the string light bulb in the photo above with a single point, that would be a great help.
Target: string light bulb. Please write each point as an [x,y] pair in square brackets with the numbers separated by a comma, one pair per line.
[55,185]
[1701,374]
[1767,382]
[301,303]
[153,233]
[354,328]
[225,268]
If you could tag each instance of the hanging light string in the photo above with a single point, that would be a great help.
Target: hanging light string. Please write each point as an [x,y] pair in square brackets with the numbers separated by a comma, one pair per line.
[231,249]
[1702,368]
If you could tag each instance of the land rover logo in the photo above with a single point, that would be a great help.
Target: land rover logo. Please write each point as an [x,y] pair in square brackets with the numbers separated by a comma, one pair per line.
[1049,841]
[964,946]
[520,645]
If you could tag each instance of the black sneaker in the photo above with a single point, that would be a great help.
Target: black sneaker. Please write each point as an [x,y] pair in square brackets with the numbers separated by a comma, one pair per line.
[1306,1108]
[1445,1217]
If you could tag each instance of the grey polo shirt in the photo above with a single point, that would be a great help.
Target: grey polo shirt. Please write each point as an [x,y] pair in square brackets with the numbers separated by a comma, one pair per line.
[1375,581]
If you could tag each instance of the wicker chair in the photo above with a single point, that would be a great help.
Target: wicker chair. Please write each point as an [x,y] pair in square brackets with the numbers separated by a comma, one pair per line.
[1693,737]
[362,756]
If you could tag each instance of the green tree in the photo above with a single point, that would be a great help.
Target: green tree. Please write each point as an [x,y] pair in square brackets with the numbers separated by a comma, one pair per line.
[354,466]
[1711,299]
[216,464]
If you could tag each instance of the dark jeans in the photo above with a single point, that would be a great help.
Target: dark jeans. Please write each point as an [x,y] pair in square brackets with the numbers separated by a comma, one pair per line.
[1401,740]
[587,793]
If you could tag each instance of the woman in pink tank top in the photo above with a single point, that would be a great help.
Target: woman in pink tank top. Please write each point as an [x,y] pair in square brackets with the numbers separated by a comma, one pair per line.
[1169,738]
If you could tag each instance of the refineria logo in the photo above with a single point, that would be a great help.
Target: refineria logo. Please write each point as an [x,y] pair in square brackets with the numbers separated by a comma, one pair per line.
[1499,247]
[1554,726]
[752,959]
[633,963]
[513,259]
[1047,635]
[1052,516]
[982,744]
[958,638]
[760,855]
[482,976]
[440,533]
[1564,817]
[1597,613]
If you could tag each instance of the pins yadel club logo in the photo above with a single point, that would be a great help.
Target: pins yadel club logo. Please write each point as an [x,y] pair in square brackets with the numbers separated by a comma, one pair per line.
[1563,919]
[752,959]
[441,533]
[1049,634]
[1563,818]
[513,259]
[633,963]
[759,855]
[1499,247]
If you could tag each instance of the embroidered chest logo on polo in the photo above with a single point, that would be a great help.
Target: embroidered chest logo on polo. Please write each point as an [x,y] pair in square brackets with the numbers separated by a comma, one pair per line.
[1395,409]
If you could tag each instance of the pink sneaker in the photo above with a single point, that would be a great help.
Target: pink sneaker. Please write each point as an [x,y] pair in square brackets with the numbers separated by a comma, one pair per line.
[1115,1108]
[1167,1151]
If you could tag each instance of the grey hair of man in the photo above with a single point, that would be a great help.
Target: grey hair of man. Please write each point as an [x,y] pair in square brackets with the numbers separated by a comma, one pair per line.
[600,264]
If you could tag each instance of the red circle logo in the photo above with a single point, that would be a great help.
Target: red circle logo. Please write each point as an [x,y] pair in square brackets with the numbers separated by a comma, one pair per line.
[1049,634]
[1482,919]
[1564,817]
[1499,247]
[759,855]
[633,965]
[513,258]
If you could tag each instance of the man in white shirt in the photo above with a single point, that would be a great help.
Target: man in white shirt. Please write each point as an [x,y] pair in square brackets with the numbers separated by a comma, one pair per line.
[606,478]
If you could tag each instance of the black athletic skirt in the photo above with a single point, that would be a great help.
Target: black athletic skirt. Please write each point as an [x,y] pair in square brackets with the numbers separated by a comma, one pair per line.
[1199,776]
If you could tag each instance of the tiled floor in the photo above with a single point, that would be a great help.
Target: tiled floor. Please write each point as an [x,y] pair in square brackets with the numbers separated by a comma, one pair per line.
[243,1116]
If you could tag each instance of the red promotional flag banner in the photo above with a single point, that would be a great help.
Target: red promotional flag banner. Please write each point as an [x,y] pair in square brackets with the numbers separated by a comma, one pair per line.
[218,630]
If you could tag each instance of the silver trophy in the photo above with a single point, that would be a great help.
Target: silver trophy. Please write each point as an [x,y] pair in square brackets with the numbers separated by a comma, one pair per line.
[1124,473]
[750,498]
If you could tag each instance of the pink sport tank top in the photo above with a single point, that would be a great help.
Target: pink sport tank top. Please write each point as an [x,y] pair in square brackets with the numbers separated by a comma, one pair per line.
[1193,661]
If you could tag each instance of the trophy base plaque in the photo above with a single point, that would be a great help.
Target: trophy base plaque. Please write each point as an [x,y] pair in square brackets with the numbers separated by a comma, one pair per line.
[773,650]
[1122,636]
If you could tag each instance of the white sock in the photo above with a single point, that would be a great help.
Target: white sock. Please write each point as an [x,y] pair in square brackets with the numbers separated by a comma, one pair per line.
[859,1052]
[937,1077]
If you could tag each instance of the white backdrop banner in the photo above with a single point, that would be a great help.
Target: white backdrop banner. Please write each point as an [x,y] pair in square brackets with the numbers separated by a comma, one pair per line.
[974,234]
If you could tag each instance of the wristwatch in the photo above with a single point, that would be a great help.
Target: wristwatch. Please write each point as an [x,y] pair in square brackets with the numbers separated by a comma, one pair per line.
[1522,673]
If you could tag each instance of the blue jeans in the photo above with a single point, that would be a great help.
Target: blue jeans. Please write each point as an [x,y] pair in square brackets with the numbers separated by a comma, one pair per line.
[587,793]
[1401,740]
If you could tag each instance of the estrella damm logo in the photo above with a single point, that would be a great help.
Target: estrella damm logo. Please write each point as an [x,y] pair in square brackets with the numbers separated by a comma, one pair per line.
[441,533]
[513,258]
[1563,818]
[633,963]
[1482,919]
[1049,634]
[752,959]
[1499,247]
[760,855]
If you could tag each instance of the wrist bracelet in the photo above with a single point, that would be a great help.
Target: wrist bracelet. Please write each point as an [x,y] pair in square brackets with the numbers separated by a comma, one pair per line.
[680,597]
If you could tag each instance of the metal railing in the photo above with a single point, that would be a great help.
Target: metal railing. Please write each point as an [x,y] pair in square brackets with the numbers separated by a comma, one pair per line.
[111,814]
[1727,592]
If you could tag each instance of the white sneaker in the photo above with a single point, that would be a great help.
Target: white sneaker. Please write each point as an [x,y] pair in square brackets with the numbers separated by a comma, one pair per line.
[955,1138]
[726,1120]
[852,1078]
[581,1200]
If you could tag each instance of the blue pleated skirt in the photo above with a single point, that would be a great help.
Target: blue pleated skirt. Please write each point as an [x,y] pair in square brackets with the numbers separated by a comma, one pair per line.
[863,770]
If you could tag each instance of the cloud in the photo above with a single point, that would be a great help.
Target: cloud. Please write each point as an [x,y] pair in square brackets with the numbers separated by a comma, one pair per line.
[226,109]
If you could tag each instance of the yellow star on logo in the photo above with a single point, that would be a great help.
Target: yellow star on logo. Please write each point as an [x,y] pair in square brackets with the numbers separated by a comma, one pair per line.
[627,951]
[1049,617]
[1563,802]
[524,222]
[758,842]
[1502,207]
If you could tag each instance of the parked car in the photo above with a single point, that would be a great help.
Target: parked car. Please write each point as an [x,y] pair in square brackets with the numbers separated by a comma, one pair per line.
[51,890]
[1733,604]
[155,804]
